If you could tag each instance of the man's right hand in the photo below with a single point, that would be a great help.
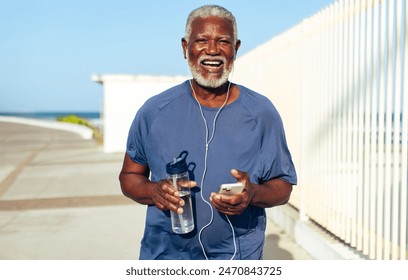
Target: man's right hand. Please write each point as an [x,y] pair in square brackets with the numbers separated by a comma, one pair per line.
[166,197]
[135,184]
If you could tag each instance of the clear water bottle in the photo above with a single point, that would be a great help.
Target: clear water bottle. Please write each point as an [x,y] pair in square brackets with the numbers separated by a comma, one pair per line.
[177,174]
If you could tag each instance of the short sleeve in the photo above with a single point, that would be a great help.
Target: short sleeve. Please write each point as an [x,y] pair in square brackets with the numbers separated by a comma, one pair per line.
[135,146]
[275,159]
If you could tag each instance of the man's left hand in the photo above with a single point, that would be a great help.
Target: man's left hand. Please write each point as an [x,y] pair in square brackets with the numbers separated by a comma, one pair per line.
[234,204]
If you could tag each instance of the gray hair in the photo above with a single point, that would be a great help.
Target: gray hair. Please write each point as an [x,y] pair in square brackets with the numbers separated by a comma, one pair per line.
[208,11]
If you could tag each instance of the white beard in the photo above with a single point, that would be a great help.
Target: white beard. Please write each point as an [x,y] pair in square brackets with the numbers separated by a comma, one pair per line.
[211,82]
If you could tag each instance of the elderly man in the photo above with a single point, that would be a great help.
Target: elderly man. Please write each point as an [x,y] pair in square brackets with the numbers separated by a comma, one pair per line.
[231,134]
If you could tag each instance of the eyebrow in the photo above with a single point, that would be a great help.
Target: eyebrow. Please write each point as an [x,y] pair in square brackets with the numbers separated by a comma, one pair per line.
[221,36]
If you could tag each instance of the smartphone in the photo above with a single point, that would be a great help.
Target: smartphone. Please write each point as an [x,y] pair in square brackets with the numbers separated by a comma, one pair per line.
[231,189]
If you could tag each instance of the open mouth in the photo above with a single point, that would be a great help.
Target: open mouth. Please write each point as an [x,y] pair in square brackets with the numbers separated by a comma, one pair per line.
[212,63]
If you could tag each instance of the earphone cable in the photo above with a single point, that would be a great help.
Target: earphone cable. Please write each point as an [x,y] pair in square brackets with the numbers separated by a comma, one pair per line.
[207,144]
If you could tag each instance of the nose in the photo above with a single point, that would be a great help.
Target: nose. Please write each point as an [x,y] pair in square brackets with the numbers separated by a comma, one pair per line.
[212,48]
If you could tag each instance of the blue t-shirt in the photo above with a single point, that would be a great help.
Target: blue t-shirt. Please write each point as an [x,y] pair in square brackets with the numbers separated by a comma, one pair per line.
[249,137]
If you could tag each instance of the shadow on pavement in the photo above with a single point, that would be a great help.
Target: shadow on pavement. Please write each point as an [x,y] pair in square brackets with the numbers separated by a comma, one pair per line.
[272,251]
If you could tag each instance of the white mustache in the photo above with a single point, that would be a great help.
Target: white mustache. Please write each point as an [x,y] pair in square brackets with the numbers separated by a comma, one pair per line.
[209,57]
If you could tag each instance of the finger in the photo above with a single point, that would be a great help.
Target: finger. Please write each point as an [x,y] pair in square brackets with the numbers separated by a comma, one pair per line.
[187,184]
[228,208]
[167,198]
[171,194]
[240,176]
[230,211]
[237,174]
[168,187]
[160,206]
[231,200]
[173,199]
[165,205]
[220,204]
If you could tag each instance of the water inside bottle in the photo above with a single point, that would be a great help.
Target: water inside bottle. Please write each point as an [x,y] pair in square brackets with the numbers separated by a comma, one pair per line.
[186,223]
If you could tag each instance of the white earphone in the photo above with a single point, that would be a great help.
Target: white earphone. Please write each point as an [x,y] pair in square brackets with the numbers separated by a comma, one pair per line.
[207,146]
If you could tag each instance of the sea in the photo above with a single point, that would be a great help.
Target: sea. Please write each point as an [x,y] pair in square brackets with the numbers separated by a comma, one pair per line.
[94,118]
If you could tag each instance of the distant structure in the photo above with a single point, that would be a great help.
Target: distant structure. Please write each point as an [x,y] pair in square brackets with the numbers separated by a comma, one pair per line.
[123,95]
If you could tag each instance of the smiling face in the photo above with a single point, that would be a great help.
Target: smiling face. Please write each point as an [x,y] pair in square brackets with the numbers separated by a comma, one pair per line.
[210,51]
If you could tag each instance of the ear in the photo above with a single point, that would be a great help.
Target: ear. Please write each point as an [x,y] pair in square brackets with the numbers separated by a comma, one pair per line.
[237,45]
[184,46]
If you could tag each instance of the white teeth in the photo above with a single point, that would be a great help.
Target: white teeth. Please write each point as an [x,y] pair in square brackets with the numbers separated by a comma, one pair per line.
[212,63]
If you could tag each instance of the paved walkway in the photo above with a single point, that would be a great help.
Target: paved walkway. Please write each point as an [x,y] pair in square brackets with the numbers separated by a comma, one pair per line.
[60,199]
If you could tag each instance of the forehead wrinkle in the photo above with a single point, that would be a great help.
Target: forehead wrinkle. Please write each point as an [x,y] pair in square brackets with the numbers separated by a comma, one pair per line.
[219,36]
[203,29]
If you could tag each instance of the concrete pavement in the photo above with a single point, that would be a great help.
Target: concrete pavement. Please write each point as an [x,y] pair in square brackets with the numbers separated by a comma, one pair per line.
[60,199]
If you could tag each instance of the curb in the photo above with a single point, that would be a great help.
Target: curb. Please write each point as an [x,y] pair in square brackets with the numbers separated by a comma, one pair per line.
[318,243]
[81,130]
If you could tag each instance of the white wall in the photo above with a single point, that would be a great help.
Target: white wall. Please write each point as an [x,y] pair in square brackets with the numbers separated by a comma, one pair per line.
[274,69]
[123,95]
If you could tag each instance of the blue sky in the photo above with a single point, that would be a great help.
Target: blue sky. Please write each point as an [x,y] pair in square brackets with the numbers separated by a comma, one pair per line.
[50,49]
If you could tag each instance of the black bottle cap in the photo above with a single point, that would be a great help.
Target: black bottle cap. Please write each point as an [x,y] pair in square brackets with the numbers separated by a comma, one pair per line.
[178,165]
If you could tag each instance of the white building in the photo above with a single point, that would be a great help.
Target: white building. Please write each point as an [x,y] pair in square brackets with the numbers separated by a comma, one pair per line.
[123,95]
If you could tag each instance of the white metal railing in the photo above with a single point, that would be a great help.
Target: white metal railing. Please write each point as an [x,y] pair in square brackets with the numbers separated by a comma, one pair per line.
[351,77]
[360,156]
